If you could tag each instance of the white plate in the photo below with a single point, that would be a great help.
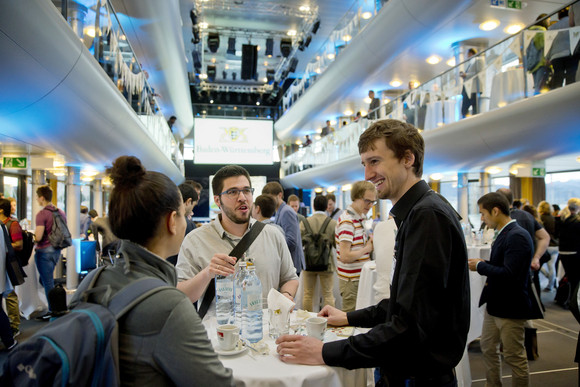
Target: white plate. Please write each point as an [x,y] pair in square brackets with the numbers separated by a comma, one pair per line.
[230,353]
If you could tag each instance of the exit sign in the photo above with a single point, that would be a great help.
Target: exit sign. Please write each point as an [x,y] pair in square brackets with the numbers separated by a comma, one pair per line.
[15,162]
[514,4]
[538,172]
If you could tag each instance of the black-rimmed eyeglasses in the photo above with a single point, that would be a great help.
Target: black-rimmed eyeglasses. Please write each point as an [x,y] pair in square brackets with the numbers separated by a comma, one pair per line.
[233,193]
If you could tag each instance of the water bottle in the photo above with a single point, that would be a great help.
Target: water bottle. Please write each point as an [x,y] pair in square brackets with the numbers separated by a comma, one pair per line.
[224,299]
[251,306]
[238,279]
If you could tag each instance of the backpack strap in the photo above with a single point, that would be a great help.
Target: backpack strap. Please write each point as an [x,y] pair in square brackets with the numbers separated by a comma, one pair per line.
[239,250]
[307,226]
[324,225]
[134,293]
[334,212]
[8,225]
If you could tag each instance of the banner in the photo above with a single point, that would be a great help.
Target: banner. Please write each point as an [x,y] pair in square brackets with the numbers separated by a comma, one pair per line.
[574,38]
[549,38]
[515,47]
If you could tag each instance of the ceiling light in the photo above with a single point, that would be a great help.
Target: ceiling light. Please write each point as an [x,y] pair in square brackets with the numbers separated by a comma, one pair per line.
[436,176]
[317,137]
[433,59]
[87,178]
[331,189]
[333,122]
[346,187]
[203,25]
[348,112]
[59,172]
[227,66]
[123,37]
[578,159]
[89,172]
[291,33]
[347,38]
[266,63]
[298,142]
[415,84]
[513,171]
[213,60]
[501,104]
[331,56]
[318,190]
[367,100]
[367,15]
[396,83]
[258,48]
[90,31]
[107,181]
[489,25]
[257,103]
[513,28]
[493,170]
[318,71]
[203,76]
[265,79]
[386,100]
[211,101]
[451,62]
[304,8]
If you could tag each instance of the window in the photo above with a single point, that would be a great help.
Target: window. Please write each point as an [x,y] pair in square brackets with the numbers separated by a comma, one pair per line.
[562,186]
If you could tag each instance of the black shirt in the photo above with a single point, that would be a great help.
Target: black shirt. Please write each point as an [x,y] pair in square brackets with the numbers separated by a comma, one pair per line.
[422,330]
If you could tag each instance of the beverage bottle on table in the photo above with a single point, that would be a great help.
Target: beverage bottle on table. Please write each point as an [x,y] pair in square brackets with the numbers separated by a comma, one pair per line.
[251,305]
[224,299]
[238,279]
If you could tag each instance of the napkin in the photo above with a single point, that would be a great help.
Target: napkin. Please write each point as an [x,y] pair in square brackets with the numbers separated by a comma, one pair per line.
[278,303]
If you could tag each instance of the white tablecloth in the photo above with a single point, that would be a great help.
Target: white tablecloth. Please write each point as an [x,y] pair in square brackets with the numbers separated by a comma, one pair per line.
[366,291]
[270,371]
[30,294]
[476,282]
[507,87]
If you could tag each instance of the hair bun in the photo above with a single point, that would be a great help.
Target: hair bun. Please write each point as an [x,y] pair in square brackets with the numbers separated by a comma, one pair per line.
[127,171]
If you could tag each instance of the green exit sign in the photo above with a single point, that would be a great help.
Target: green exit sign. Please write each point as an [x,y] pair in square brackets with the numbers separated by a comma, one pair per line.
[538,172]
[15,162]
[514,4]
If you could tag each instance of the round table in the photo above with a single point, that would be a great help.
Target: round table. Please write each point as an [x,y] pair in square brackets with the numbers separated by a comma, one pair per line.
[252,369]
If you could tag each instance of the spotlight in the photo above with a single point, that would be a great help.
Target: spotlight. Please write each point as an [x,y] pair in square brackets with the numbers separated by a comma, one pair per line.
[269,47]
[231,46]
[224,74]
[308,40]
[285,47]
[234,76]
[213,42]
[301,45]
[316,26]
[193,17]
[270,76]
[196,61]
[195,32]
[211,72]
[293,64]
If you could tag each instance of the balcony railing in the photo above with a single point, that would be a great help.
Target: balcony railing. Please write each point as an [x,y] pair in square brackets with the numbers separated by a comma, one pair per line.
[494,78]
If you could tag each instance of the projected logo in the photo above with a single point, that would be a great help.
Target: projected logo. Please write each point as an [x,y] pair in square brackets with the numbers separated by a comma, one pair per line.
[234,134]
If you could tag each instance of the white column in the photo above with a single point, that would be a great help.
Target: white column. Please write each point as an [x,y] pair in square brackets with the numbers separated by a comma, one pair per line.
[73,212]
[98,196]
[463,195]
[485,183]
[38,179]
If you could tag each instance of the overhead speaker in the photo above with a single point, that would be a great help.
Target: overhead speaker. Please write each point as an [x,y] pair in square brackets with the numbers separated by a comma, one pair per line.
[231,46]
[285,47]
[195,32]
[292,65]
[213,42]
[196,61]
[269,47]
[249,62]
[211,72]
[316,26]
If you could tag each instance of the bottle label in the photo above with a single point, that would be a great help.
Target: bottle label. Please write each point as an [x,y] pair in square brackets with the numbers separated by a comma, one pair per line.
[224,288]
[254,302]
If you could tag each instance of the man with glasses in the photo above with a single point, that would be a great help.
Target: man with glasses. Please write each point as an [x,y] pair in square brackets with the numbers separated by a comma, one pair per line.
[354,244]
[204,252]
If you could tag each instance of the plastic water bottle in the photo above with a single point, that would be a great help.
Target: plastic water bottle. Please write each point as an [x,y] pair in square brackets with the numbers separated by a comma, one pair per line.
[224,299]
[251,306]
[238,279]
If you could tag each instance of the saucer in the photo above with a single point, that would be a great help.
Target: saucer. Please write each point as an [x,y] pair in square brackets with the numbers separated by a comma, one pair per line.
[233,352]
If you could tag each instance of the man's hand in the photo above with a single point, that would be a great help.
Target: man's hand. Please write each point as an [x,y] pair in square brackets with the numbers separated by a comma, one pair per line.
[334,316]
[300,350]
[535,264]
[473,263]
[222,264]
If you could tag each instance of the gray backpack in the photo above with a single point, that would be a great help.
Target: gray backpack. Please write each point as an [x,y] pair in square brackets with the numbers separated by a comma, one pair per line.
[317,247]
[59,236]
[80,348]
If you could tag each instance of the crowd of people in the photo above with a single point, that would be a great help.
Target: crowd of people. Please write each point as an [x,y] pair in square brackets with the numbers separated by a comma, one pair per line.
[420,321]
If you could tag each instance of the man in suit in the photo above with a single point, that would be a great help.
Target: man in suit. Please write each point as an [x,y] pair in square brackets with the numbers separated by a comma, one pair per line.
[288,220]
[326,277]
[505,292]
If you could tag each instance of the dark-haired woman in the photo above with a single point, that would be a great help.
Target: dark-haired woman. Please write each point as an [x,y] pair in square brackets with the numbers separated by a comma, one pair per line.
[162,341]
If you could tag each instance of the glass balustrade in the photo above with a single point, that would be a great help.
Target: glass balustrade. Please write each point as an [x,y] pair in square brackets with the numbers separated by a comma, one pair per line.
[97,26]
[495,78]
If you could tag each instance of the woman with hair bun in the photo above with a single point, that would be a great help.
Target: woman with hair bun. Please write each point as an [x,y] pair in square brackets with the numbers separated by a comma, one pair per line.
[162,341]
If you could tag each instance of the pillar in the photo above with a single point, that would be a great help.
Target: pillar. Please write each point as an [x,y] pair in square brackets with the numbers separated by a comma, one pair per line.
[435,185]
[463,195]
[73,211]
[38,179]
[484,183]
[97,188]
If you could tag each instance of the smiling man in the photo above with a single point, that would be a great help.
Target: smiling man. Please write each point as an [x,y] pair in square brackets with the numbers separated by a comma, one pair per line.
[418,335]
[204,252]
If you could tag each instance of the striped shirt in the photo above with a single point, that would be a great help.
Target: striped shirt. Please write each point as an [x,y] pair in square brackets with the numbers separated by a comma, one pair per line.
[350,228]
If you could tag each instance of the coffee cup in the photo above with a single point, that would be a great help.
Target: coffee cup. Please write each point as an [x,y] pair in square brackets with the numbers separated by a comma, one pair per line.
[315,327]
[228,336]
